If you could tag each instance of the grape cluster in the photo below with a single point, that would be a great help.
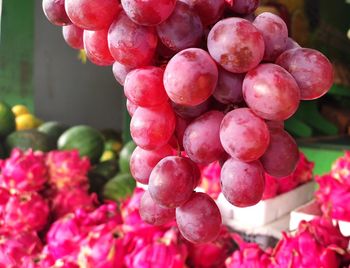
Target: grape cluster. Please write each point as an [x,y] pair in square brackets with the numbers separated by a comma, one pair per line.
[205,81]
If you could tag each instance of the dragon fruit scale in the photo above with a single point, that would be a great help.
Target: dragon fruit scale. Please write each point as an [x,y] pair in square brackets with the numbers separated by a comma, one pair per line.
[67,169]
[24,171]
[26,212]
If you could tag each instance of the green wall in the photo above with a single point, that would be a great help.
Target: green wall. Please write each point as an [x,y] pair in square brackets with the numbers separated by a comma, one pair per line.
[16,52]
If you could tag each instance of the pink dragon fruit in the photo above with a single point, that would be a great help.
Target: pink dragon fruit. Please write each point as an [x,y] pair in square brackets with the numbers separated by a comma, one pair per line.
[271,187]
[67,169]
[130,208]
[287,184]
[4,197]
[45,260]
[304,169]
[102,248]
[24,171]
[249,255]
[211,179]
[15,247]
[26,212]
[333,197]
[341,169]
[68,200]
[215,252]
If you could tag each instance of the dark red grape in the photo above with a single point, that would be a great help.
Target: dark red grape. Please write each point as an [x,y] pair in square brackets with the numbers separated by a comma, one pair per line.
[243,7]
[311,69]
[282,155]
[190,77]
[55,12]
[73,36]
[242,183]
[271,92]
[244,135]
[236,45]
[199,219]
[189,112]
[131,44]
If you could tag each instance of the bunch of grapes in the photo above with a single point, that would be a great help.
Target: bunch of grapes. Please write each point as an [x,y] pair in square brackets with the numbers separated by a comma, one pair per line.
[205,81]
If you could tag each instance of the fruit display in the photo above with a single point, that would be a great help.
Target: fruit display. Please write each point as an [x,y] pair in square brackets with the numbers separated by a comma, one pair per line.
[205,81]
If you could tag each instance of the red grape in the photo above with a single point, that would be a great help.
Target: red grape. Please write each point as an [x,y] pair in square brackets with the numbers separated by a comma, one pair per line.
[172,181]
[92,14]
[311,69]
[271,92]
[236,45]
[73,36]
[181,125]
[242,183]
[150,12]
[199,219]
[55,12]
[131,107]
[154,214]
[208,10]
[291,44]
[229,87]
[190,77]
[131,44]
[183,29]
[96,47]
[275,33]
[120,71]
[243,7]
[282,155]
[152,128]
[244,135]
[189,112]
[144,86]
[202,138]
[142,162]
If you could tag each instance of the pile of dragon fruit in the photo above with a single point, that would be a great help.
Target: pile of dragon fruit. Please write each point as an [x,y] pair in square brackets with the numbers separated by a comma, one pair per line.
[49,219]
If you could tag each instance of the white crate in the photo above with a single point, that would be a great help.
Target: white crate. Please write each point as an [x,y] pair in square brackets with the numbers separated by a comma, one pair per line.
[266,211]
[309,211]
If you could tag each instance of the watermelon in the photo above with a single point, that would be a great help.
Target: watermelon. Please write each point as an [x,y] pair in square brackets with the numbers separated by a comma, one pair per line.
[26,139]
[107,169]
[120,187]
[53,129]
[87,140]
[124,157]
[7,120]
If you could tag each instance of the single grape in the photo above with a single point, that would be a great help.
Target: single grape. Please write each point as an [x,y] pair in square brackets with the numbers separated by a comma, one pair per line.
[150,12]
[236,45]
[73,35]
[243,7]
[183,29]
[143,161]
[96,47]
[271,92]
[92,14]
[144,86]
[282,155]
[242,183]
[131,44]
[229,87]
[172,181]
[189,112]
[202,138]
[208,10]
[152,128]
[199,219]
[311,69]
[131,107]
[275,33]
[190,77]
[154,214]
[120,71]
[55,12]
[244,135]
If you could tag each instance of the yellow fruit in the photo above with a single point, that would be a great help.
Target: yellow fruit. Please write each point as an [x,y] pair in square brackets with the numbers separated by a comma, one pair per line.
[20,110]
[27,121]
[107,155]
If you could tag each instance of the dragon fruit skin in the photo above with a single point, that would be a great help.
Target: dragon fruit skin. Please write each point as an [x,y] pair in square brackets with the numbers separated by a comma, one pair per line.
[26,212]
[4,197]
[287,184]
[210,180]
[67,169]
[333,197]
[68,200]
[130,208]
[24,171]
[271,187]
[15,247]
[304,169]
[341,169]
